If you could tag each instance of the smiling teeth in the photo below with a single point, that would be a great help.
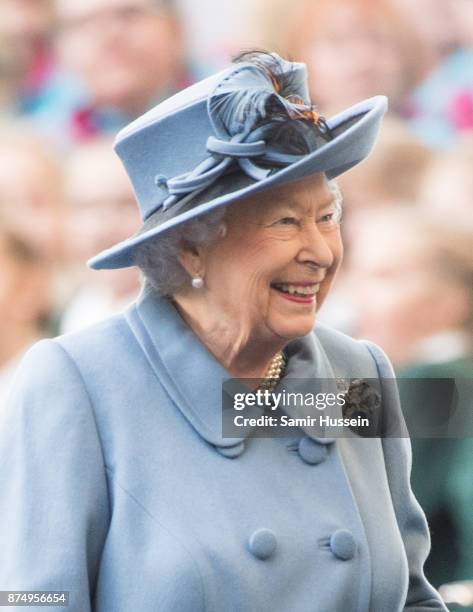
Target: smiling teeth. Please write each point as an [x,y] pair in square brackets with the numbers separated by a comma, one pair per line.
[296,290]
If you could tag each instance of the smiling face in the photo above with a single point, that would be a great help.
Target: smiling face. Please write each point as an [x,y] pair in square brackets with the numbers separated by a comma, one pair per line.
[272,270]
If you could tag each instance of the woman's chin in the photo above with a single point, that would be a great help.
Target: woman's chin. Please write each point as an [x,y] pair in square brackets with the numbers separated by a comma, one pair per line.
[290,330]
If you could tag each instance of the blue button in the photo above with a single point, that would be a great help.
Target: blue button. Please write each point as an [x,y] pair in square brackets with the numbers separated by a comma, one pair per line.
[262,543]
[325,440]
[342,544]
[311,452]
[231,451]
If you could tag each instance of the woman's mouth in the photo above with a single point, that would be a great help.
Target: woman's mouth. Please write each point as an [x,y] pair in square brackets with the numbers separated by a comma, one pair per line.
[302,293]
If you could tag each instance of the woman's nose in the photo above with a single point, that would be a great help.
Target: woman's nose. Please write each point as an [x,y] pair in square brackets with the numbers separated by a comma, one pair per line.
[315,249]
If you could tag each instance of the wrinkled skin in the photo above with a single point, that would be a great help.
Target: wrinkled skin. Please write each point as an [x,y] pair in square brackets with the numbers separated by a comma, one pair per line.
[288,235]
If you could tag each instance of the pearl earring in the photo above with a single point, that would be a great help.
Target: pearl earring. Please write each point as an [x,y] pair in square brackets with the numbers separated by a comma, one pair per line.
[197,282]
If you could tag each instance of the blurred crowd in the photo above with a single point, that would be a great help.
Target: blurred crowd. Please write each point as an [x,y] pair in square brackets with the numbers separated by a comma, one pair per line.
[73,73]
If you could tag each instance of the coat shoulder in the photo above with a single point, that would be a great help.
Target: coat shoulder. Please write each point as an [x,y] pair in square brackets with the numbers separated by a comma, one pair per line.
[100,341]
[351,357]
[54,363]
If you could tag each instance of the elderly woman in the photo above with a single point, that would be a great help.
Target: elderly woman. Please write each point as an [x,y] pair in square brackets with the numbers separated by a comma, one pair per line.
[119,484]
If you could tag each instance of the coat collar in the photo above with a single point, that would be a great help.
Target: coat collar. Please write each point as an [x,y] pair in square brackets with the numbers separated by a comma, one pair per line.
[192,376]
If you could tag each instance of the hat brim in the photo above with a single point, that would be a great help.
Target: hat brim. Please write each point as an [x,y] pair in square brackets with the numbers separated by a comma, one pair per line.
[355,131]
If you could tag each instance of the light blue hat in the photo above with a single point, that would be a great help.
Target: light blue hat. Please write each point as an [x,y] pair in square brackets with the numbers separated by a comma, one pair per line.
[232,135]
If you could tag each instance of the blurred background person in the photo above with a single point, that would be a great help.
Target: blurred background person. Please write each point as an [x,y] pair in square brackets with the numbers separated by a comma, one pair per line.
[446,186]
[414,296]
[32,192]
[414,285]
[129,54]
[32,84]
[419,54]
[392,176]
[25,57]
[24,302]
[101,212]
[32,206]
[436,24]
[354,48]
[441,107]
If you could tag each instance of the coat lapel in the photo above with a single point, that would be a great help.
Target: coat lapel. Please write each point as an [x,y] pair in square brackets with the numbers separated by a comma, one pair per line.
[309,372]
[192,376]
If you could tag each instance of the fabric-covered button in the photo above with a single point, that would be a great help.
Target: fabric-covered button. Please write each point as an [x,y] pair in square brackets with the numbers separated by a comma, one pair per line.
[325,441]
[262,543]
[231,451]
[311,452]
[343,544]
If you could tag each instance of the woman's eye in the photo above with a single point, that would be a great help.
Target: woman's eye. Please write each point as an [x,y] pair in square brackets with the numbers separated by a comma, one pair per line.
[332,217]
[287,221]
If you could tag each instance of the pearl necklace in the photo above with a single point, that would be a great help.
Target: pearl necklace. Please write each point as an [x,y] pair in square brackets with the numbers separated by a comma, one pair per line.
[274,373]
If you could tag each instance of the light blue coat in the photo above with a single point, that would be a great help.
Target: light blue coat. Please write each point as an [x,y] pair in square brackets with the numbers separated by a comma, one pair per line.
[117,485]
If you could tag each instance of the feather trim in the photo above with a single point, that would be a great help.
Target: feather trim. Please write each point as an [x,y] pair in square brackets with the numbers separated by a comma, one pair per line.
[263,87]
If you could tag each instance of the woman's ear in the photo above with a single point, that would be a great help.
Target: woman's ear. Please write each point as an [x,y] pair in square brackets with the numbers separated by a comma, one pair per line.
[191,258]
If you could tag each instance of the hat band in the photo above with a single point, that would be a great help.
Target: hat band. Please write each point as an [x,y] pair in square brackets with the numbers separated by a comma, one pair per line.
[241,148]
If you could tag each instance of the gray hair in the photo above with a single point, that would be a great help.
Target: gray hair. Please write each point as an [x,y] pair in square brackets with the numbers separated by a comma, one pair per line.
[158,258]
